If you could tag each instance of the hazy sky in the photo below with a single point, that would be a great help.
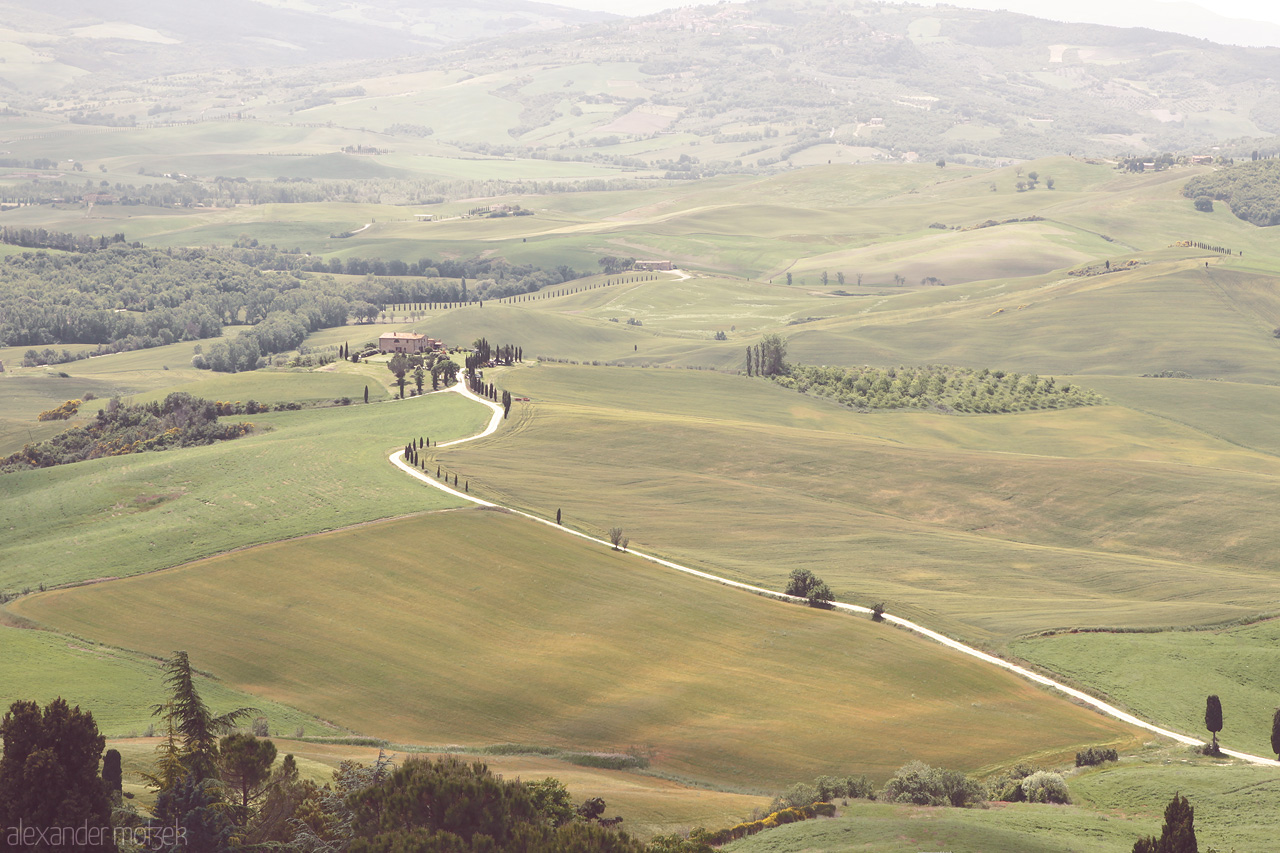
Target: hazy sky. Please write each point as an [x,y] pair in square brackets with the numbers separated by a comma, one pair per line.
[1123,13]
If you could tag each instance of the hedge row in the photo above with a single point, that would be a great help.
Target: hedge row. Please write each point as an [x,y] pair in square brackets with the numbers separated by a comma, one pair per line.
[778,818]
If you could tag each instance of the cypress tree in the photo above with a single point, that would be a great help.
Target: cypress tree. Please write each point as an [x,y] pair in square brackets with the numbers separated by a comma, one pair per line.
[558,521]
[437,472]
[1213,721]
[1275,733]
[112,775]
[366,393]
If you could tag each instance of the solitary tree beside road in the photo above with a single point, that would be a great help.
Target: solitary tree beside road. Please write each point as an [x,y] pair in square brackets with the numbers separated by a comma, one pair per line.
[1213,721]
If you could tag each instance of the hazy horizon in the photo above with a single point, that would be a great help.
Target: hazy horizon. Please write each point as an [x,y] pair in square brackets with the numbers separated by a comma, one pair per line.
[1211,19]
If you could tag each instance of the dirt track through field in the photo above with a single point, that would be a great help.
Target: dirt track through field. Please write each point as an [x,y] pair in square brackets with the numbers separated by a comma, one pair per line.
[397,459]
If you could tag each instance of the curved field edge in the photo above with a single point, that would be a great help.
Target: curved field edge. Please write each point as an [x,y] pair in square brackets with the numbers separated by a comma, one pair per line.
[301,473]
[479,627]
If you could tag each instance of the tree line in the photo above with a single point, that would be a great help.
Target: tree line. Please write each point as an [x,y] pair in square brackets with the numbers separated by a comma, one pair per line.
[940,388]
[123,298]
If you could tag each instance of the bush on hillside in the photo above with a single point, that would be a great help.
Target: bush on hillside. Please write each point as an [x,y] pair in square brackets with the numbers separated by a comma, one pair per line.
[919,784]
[1095,755]
[1045,787]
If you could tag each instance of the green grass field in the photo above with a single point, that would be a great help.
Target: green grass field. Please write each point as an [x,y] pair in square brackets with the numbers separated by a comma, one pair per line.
[1167,675]
[118,687]
[300,473]
[480,627]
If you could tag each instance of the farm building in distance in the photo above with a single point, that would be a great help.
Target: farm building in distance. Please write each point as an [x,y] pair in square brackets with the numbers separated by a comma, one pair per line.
[407,342]
[653,265]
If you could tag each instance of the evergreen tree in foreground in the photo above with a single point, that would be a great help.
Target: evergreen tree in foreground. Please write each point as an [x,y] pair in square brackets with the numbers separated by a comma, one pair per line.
[1178,835]
[49,775]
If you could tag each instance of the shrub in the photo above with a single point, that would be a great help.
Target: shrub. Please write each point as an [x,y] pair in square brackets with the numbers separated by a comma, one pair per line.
[1095,755]
[66,411]
[1204,204]
[799,794]
[1045,787]
[1007,788]
[922,785]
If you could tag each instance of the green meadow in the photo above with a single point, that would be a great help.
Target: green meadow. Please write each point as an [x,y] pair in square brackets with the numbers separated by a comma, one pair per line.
[1167,675]
[480,627]
[118,687]
[299,473]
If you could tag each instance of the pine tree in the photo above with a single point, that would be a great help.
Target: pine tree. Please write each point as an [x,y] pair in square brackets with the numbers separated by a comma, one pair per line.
[1177,835]
[191,722]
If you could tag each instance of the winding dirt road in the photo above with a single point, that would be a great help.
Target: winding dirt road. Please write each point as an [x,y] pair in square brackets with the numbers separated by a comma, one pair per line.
[397,459]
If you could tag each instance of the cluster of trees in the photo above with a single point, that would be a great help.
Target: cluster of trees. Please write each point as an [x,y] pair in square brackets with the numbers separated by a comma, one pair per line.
[42,238]
[804,584]
[485,354]
[769,357]
[1252,190]
[181,420]
[127,298]
[124,298]
[938,387]
[279,331]
[49,779]
[441,368]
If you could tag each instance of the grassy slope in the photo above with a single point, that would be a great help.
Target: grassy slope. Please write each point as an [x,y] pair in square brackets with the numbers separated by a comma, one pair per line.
[1114,806]
[1167,676]
[118,687]
[997,525]
[479,627]
[302,472]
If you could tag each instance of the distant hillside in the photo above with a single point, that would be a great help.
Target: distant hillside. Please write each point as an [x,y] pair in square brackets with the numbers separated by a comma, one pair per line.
[138,39]
[938,80]
[689,92]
